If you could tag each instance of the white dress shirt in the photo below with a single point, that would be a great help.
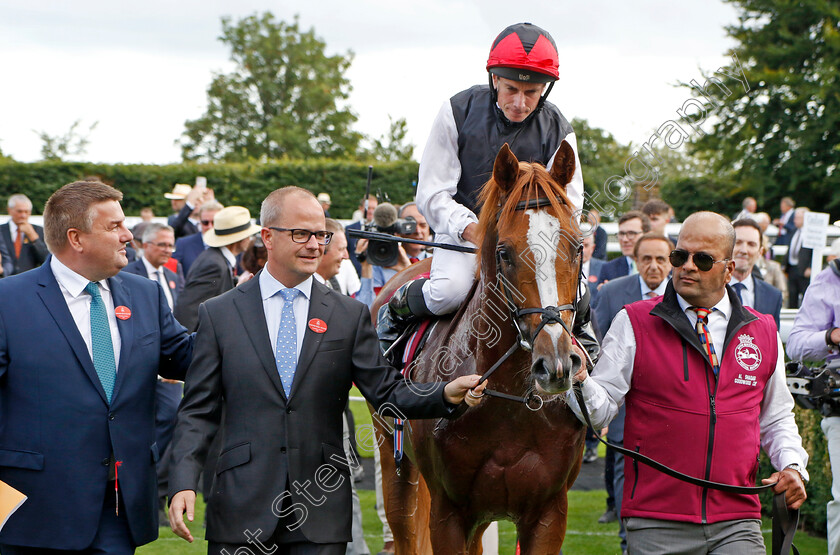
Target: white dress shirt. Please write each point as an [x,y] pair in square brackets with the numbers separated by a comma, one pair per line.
[657,292]
[72,286]
[604,391]
[229,256]
[273,306]
[156,274]
[13,230]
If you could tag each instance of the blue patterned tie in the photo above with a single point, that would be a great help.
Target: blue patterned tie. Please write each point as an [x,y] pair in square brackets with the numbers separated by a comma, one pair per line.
[285,352]
[100,336]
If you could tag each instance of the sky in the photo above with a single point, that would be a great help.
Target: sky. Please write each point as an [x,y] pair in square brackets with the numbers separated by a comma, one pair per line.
[139,70]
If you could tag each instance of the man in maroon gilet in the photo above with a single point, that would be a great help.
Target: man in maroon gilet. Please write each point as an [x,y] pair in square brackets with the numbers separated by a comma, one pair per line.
[703,380]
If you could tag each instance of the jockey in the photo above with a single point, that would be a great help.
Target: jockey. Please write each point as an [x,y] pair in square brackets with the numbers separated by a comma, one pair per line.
[458,159]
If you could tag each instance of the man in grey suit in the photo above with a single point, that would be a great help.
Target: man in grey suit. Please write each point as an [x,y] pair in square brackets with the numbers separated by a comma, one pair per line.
[651,282]
[746,279]
[213,271]
[24,241]
[651,255]
[277,356]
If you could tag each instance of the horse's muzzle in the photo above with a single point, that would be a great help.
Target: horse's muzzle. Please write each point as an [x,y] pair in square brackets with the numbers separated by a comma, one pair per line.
[552,377]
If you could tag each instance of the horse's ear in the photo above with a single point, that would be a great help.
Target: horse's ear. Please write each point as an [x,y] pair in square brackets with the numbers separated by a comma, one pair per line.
[505,169]
[563,167]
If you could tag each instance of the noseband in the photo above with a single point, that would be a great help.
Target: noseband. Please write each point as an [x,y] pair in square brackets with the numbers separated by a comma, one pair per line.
[548,315]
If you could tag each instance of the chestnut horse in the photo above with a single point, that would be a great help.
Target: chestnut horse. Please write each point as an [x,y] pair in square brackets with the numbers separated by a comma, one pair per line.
[501,459]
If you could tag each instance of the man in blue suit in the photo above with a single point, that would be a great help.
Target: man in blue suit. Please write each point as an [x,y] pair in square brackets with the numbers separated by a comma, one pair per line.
[651,255]
[746,280]
[80,350]
[591,265]
[785,222]
[600,236]
[631,226]
[188,248]
[158,244]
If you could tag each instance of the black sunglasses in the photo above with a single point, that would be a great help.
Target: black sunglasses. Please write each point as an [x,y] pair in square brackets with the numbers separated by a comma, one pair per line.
[702,260]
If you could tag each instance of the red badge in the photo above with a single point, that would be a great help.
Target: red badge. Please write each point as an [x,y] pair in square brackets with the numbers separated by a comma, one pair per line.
[122,312]
[317,325]
[171,284]
[593,279]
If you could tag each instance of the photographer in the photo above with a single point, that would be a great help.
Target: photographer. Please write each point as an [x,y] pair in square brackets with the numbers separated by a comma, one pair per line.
[380,261]
[815,337]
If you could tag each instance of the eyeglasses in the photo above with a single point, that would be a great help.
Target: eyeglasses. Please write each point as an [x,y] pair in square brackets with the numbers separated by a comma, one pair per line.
[303,235]
[702,260]
[169,246]
[206,222]
[629,234]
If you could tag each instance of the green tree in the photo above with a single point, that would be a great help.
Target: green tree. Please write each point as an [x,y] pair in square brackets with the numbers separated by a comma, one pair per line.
[282,100]
[392,147]
[602,159]
[781,136]
[72,143]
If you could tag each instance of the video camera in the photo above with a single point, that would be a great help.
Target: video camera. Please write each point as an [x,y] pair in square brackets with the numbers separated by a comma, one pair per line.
[386,220]
[815,388]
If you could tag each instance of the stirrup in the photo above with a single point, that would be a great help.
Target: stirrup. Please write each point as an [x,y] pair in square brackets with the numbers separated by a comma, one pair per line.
[405,307]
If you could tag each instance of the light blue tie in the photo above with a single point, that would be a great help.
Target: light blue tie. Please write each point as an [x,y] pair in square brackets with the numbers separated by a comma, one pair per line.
[285,353]
[102,347]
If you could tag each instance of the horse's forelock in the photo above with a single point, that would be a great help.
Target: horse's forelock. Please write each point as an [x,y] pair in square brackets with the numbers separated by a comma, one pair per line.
[533,182]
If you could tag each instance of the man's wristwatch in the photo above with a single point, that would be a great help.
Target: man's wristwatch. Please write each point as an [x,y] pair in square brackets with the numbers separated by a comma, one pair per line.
[801,471]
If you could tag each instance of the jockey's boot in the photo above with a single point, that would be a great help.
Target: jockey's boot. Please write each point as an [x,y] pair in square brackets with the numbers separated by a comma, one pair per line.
[406,306]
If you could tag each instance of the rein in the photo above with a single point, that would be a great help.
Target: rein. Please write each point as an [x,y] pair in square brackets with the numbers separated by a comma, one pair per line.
[784,520]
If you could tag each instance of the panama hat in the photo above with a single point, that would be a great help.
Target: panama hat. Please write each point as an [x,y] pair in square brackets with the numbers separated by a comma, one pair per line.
[230,225]
[179,192]
[324,197]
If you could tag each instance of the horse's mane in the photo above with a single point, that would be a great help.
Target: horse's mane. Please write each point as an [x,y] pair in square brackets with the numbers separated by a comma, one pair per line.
[532,182]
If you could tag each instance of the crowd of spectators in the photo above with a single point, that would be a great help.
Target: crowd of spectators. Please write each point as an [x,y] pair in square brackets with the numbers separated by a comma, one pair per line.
[206,249]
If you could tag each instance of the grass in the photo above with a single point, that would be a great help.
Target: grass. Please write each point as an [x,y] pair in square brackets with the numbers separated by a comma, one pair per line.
[583,537]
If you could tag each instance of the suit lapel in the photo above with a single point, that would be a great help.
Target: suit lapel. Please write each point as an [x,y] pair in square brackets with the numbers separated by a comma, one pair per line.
[6,234]
[248,302]
[53,299]
[321,306]
[172,283]
[121,296]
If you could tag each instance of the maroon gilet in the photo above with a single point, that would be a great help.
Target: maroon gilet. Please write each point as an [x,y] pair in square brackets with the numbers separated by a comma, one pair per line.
[681,414]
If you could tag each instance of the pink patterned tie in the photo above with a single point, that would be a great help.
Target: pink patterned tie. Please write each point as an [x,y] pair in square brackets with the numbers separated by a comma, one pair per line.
[705,336]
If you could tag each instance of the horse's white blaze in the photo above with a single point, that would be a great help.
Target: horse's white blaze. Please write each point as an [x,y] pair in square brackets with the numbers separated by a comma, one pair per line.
[543,234]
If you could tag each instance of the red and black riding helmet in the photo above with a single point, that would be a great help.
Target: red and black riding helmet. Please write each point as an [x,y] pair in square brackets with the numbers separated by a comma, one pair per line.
[524,52]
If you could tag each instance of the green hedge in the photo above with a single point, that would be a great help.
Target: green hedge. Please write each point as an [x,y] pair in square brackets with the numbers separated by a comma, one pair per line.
[245,184]
[812,516]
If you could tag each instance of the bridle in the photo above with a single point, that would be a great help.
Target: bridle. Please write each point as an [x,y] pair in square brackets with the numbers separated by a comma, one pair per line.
[548,315]
[784,520]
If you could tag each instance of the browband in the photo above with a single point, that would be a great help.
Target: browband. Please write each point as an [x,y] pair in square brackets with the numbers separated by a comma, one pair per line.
[537,203]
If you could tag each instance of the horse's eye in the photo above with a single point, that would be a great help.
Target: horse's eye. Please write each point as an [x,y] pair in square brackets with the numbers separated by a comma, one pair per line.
[504,255]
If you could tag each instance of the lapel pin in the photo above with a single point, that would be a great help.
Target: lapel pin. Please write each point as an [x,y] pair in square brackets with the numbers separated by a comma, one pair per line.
[171,284]
[317,325]
[122,312]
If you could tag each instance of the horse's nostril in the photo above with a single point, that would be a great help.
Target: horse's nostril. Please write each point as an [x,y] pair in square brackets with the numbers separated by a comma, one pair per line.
[539,370]
[576,362]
